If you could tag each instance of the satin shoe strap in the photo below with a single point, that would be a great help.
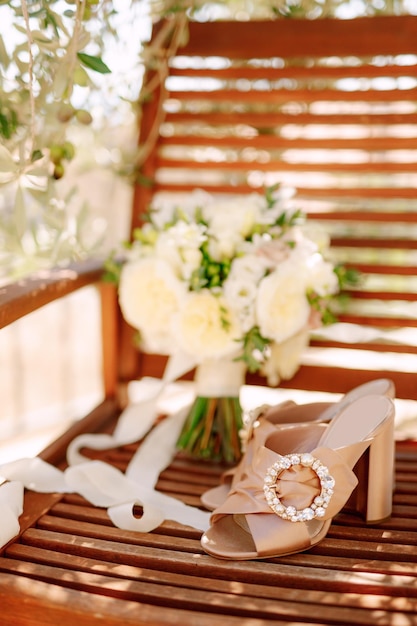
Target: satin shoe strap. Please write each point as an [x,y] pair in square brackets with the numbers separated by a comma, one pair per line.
[297,486]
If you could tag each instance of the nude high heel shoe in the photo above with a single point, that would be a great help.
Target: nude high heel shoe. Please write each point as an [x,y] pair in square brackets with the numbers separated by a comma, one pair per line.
[284,503]
[261,418]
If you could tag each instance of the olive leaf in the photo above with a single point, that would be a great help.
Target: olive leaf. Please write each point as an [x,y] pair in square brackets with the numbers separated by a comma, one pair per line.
[93,63]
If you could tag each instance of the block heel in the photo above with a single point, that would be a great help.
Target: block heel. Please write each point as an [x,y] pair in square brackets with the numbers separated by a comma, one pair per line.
[381,471]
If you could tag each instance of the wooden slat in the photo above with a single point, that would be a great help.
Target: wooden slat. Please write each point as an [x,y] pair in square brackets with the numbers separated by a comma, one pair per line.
[334,192]
[279,118]
[379,321]
[304,38]
[302,166]
[375,346]
[383,217]
[380,243]
[303,95]
[342,379]
[298,71]
[283,143]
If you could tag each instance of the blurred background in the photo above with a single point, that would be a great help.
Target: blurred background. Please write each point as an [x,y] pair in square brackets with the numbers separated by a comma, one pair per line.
[50,362]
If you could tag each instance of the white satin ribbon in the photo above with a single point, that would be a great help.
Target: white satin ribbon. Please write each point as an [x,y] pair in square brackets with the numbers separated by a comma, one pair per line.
[11,506]
[102,484]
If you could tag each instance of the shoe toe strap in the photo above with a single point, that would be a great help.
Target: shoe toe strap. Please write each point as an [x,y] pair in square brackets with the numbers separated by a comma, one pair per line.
[269,535]
[291,498]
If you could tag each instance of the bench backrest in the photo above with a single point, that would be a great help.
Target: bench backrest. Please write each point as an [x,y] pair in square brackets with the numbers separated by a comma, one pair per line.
[329,108]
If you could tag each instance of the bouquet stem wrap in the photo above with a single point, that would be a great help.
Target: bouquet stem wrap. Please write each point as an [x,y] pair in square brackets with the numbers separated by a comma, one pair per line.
[211,429]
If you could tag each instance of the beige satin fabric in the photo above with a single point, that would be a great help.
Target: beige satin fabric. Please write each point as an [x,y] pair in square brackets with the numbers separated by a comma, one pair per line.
[297,486]
[292,436]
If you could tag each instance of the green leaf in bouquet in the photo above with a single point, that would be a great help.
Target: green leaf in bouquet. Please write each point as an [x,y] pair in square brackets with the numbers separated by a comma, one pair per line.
[254,346]
[347,276]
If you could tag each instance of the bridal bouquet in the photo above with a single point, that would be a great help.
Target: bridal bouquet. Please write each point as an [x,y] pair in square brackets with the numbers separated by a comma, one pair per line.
[235,284]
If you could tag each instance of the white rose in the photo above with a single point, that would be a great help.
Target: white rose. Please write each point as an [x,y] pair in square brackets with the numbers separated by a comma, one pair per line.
[150,294]
[206,327]
[282,308]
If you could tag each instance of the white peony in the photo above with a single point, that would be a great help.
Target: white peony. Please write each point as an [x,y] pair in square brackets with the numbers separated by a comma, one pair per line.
[206,327]
[150,294]
[282,308]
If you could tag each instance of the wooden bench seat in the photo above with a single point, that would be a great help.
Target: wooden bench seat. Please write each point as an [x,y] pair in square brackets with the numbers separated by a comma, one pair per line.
[70,566]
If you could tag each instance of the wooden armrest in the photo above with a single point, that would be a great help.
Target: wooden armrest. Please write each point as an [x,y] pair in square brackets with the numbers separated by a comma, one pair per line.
[28,294]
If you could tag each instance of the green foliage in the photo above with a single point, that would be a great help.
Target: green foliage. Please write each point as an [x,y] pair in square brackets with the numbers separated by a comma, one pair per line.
[211,429]
[254,347]
[8,121]
[112,268]
[93,63]
[49,55]
[347,276]
[211,273]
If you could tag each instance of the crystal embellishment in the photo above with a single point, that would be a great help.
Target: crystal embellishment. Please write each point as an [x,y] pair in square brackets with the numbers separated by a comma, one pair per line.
[317,508]
[250,422]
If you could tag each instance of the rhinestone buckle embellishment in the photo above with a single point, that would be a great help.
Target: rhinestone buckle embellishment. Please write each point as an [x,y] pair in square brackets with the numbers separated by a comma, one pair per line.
[318,507]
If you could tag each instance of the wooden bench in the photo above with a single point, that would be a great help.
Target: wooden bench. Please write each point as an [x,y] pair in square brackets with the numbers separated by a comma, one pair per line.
[70,565]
